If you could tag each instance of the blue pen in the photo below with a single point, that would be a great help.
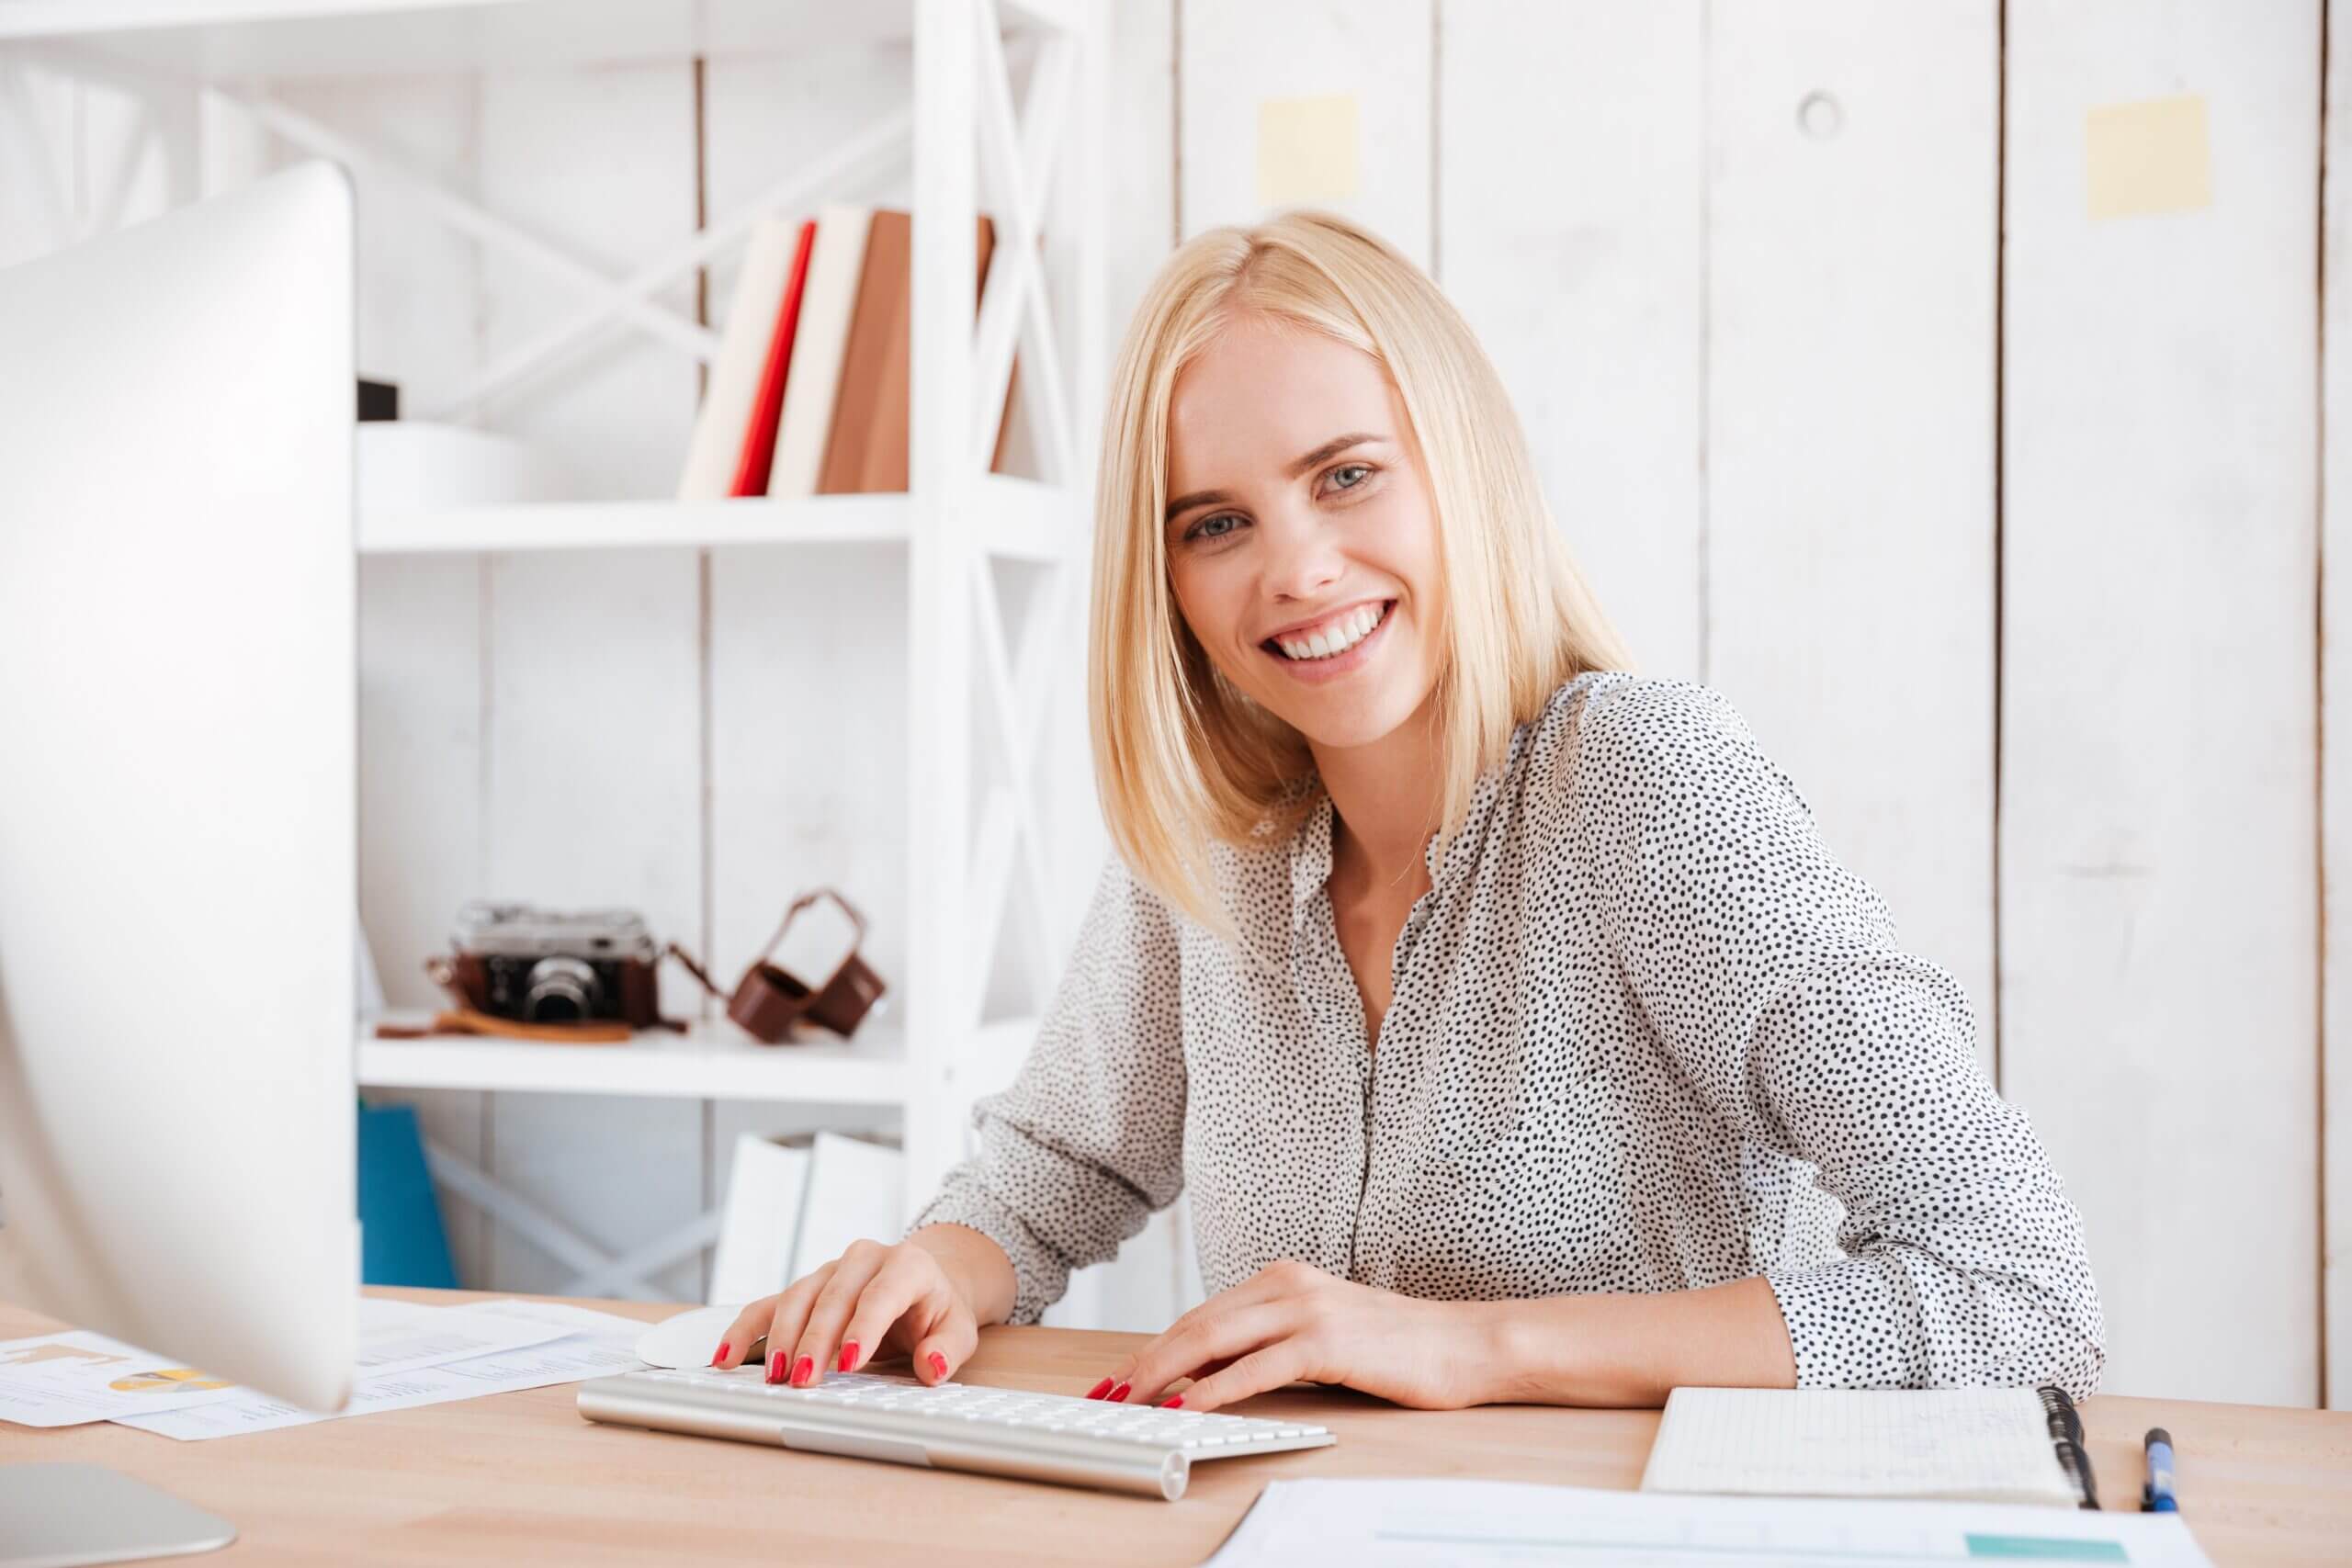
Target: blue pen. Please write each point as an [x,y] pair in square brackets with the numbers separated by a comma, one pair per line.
[2157,1498]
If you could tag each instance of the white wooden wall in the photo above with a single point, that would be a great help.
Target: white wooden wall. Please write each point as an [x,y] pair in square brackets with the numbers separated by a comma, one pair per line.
[2014,574]
[2159,934]
[1998,517]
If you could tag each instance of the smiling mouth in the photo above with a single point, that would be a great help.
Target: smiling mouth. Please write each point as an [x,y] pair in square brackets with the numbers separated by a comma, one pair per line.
[1334,638]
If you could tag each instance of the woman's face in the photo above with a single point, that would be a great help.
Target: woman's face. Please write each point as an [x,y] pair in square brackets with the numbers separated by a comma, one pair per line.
[1302,544]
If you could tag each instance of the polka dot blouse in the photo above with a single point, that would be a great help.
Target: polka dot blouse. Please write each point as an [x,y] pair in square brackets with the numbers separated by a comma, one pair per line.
[1646,1034]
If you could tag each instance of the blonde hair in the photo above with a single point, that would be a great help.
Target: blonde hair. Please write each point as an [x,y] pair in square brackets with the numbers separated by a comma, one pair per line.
[1180,755]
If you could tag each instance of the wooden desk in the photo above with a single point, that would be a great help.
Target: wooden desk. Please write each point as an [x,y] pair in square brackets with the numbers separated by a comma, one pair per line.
[518,1477]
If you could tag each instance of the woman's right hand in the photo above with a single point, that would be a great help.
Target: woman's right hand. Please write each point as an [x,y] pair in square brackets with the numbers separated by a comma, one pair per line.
[874,1298]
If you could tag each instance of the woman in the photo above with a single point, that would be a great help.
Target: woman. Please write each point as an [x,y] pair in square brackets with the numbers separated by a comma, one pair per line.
[1515,1035]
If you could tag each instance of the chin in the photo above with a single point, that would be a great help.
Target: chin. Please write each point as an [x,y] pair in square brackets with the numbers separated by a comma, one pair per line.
[1341,722]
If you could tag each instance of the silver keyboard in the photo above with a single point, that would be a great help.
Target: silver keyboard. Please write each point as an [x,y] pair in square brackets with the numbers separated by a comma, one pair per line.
[994,1431]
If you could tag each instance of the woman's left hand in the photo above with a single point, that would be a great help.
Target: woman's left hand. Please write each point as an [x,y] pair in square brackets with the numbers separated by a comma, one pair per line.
[1293,1323]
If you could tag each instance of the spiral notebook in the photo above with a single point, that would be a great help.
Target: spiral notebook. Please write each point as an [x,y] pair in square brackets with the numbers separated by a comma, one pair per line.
[1990,1445]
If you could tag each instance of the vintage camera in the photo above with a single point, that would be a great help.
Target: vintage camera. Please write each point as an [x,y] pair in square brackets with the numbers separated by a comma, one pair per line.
[537,965]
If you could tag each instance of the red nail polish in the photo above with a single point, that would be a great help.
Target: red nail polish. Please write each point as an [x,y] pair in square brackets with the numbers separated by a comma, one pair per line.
[849,1355]
[723,1347]
[1173,1401]
[1099,1390]
[802,1370]
[1119,1393]
[776,1367]
[938,1365]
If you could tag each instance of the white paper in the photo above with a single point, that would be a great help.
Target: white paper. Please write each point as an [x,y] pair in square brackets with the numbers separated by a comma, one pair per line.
[400,1336]
[564,1315]
[1387,1522]
[1989,1444]
[68,1378]
[568,1359]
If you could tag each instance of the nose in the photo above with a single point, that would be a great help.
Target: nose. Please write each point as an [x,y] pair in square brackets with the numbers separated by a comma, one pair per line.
[1303,557]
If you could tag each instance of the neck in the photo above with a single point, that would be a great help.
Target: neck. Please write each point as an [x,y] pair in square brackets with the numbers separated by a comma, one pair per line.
[1384,797]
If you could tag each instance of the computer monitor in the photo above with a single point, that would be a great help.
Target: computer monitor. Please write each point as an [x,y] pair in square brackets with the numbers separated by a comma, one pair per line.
[177,805]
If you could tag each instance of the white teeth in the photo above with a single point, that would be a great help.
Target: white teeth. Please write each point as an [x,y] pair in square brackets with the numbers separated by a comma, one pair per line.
[1337,638]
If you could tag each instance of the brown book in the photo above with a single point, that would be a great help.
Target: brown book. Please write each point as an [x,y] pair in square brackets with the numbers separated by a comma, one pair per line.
[866,449]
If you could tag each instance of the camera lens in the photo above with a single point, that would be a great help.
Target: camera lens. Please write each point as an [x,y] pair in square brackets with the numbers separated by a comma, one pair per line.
[562,991]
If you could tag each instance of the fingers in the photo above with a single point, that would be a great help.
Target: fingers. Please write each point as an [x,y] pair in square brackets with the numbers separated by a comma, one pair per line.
[1227,1334]
[1274,1283]
[1260,1371]
[812,1349]
[750,1326]
[1269,1283]
[909,1292]
[942,1352]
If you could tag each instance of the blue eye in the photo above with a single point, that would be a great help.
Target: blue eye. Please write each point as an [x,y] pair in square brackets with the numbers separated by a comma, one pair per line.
[1363,469]
[1205,529]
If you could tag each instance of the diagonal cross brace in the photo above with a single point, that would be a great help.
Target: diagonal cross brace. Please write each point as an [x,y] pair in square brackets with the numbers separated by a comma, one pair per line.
[1021,179]
[881,145]
[477,222]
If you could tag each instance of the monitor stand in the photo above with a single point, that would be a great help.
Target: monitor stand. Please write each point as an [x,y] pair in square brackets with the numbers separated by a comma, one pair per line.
[64,1515]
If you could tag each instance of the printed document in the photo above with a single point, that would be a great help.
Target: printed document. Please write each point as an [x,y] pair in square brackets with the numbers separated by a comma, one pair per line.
[1389,1522]
[580,1344]
[76,1376]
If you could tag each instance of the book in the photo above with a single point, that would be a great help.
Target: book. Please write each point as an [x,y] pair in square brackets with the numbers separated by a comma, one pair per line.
[767,404]
[735,371]
[759,1220]
[813,379]
[867,448]
[1989,1445]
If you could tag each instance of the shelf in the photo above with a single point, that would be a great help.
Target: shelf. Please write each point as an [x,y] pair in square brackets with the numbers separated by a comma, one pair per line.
[715,1061]
[219,40]
[1016,518]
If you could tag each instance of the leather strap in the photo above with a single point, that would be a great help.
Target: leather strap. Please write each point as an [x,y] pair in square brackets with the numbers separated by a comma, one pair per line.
[770,1001]
[466,1021]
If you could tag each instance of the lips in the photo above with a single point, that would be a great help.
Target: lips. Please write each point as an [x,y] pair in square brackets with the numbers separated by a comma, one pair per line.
[1332,637]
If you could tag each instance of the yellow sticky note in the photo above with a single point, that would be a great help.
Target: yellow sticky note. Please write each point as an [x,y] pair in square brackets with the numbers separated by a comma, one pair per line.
[1307,149]
[2146,157]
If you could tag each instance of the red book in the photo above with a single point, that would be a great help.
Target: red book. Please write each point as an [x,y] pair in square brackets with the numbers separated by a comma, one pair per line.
[759,439]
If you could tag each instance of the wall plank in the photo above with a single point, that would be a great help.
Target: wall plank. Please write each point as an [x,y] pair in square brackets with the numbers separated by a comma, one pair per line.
[1585,288]
[106,168]
[1143,1289]
[594,788]
[1237,56]
[1852,232]
[36,197]
[805,647]
[2158,836]
[420,816]
[420,617]
[2336,721]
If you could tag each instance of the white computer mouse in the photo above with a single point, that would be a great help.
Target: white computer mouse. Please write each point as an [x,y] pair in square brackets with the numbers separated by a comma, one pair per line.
[690,1339]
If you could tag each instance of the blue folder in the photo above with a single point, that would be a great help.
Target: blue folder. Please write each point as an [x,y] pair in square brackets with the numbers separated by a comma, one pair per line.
[400,1238]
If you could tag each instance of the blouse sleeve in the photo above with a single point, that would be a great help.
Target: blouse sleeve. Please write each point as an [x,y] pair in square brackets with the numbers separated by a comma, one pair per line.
[1772,975]
[1087,1141]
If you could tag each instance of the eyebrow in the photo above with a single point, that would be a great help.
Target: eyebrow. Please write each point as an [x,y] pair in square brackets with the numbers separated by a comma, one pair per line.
[1331,448]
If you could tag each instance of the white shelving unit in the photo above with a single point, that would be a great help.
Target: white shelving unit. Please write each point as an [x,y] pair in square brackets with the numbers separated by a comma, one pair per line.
[709,1061]
[972,149]
[1013,519]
